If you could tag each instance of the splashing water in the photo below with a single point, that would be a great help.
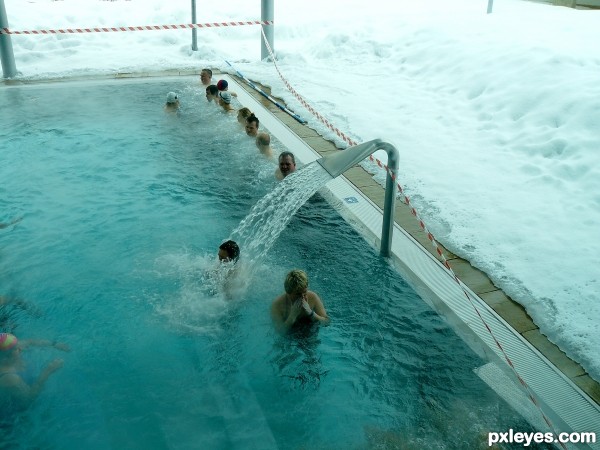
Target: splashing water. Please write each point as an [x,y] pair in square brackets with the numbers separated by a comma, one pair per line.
[267,219]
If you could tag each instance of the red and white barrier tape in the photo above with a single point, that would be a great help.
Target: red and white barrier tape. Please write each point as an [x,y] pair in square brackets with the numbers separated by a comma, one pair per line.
[445,262]
[138,28]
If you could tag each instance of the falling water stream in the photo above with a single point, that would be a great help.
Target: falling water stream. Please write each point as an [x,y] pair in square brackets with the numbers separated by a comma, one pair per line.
[259,230]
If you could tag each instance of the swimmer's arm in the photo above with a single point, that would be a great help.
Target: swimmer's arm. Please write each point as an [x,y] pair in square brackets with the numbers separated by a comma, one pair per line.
[281,325]
[44,343]
[320,313]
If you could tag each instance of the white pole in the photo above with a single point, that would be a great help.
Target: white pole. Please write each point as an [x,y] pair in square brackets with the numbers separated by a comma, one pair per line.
[267,14]
[7,56]
[194,30]
[490,6]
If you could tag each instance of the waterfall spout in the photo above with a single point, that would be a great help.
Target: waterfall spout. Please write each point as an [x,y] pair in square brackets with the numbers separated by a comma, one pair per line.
[340,162]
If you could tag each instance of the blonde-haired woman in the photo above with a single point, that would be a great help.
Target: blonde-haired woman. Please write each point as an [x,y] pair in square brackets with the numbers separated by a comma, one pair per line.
[297,305]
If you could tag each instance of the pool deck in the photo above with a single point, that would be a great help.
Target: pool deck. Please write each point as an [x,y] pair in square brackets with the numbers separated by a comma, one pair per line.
[477,281]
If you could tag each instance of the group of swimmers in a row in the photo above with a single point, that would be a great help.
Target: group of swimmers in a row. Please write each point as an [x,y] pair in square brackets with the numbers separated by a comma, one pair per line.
[297,305]
[219,94]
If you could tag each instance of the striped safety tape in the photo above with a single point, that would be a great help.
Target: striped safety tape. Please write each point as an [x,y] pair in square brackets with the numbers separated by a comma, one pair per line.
[137,28]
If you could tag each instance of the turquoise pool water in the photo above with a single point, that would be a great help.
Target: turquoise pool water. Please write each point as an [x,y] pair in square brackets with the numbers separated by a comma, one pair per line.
[123,209]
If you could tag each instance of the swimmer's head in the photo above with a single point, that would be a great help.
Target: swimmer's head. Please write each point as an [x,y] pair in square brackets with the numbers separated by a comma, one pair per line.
[222,85]
[243,114]
[229,251]
[7,341]
[172,98]
[296,282]
[225,96]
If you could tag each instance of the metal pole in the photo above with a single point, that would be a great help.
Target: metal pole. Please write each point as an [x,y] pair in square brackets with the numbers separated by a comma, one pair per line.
[194,30]
[7,56]
[389,208]
[490,6]
[267,14]
[339,162]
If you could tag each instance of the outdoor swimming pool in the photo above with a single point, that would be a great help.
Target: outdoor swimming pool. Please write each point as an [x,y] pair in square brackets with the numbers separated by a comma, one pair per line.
[124,207]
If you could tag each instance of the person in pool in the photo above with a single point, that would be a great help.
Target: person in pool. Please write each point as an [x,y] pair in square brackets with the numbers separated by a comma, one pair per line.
[252,124]
[225,101]
[206,77]
[242,115]
[263,143]
[223,86]
[297,305]
[229,253]
[212,94]
[287,165]
[172,104]
[15,393]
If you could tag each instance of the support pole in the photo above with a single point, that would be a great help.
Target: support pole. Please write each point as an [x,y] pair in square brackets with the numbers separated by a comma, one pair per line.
[389,207]
[194,30]
[490,6]
[7,56]
[267,14]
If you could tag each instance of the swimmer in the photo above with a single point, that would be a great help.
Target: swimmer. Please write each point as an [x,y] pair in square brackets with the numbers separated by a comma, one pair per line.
[206,77]
[243,114]
[252,125]
[298,304]
[287,165]
[225,101]
[263,143]
[172,104]
[15,393]
[212,94]
[223,86]
[229,251]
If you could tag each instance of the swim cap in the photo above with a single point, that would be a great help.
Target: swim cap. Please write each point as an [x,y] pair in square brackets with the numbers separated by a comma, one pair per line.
[222,85]
[171,97]
[226,96]
[7,341]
